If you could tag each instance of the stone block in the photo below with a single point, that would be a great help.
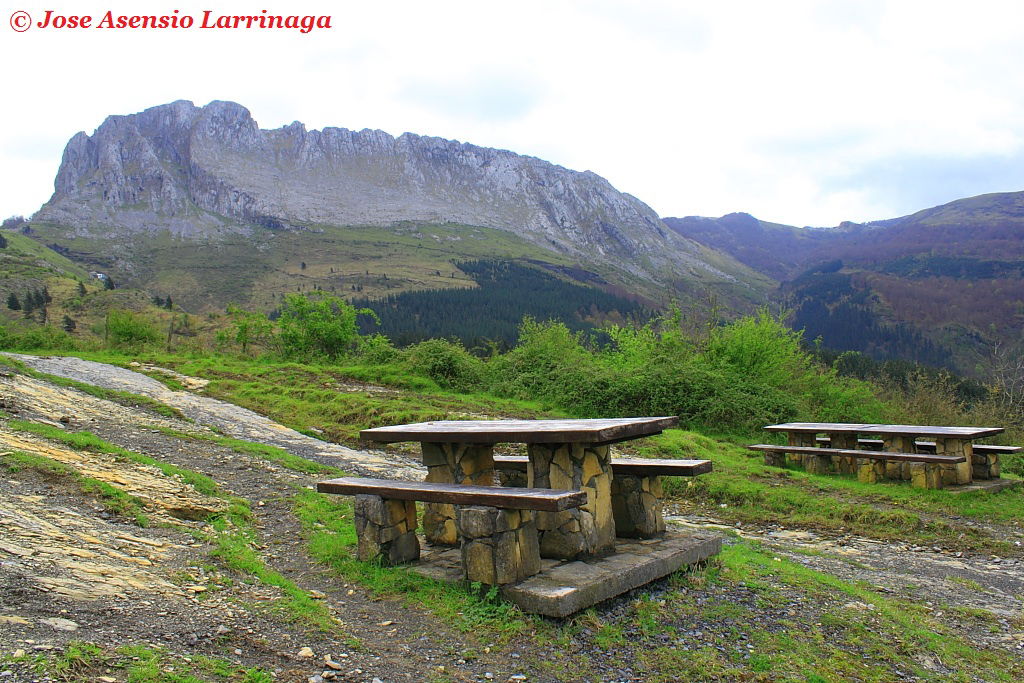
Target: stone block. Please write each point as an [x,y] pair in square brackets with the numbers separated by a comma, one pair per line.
[870,471]
[475,521]
[925,475]
[985,466]
[636,508]
[478,560]
[818,464]
[385,529]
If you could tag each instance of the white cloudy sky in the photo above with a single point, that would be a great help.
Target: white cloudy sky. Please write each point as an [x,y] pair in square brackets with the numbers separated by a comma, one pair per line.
[797,112]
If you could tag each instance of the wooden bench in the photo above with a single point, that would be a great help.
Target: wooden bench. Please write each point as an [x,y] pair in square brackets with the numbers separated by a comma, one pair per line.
[924,467]
[498,539]
[636,488]
[985,460]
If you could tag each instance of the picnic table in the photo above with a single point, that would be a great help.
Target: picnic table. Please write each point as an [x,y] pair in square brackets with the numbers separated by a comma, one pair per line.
[955,443]
[563,454]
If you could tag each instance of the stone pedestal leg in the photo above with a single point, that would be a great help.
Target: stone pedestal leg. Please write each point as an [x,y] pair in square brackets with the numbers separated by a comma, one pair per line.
[959,473]
[870,471]
[498,546]
[985,465]
[585,531]
[386,529]
[636,504]
[799,439]
[453,463]
[925,475]
[844,464]
[898,443]
[773,458]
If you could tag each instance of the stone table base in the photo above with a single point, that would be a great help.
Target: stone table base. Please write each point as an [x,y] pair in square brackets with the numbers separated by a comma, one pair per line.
[565,587]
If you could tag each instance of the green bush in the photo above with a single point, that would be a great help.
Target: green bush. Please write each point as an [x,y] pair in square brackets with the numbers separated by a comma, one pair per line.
[126,329]
[318,326]
[447,363]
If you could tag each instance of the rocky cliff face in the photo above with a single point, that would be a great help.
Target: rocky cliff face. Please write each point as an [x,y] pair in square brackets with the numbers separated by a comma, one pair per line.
[200,171]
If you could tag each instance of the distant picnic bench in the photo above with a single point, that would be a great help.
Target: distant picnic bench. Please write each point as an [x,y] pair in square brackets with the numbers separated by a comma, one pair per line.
[567,499]
[950,458]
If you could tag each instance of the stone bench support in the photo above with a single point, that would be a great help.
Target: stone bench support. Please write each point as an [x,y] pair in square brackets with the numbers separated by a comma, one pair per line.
[959,473]
[870,471]
[386,529]
[499,546]
[985,465]
[900,443]
[636,506]
[925,475]
[586,531]
[843,464]
[453,463]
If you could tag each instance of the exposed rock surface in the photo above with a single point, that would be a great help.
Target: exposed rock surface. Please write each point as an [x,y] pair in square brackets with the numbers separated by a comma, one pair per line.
[197,171]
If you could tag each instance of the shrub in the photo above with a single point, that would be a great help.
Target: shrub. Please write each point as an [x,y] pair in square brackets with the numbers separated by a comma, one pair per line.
[124,328]
[318,325]
[447,363]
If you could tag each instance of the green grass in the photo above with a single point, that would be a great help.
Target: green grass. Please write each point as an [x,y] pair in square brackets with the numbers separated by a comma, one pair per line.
[302,396]
[137,663]
[330,535]
[266,452]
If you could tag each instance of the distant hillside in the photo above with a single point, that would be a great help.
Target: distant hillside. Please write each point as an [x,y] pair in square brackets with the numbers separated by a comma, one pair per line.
[938,286]
[165,197]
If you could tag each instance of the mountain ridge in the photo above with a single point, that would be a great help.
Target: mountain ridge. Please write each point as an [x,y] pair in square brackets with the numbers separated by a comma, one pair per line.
[199,172]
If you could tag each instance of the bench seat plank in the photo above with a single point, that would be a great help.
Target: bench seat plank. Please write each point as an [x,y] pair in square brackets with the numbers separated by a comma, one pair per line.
[545,500]
[640,467]
[869,455]
[979,448]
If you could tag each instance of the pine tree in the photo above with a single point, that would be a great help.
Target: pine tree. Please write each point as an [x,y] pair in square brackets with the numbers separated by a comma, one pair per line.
[81,288]
[68,324]
[12,302]
[167,304]
[108,283]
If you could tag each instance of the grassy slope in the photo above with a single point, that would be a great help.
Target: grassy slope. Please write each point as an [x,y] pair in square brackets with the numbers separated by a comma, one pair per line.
[256,270]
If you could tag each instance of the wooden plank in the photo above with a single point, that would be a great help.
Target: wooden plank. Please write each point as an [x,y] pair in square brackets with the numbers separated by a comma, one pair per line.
[522,431]
[641,467]
[980,448]
[871,455]
[913,430]
[546,500]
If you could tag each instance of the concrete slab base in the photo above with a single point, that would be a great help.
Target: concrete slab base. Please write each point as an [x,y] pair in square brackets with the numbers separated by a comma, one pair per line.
[563,588]
[989,485]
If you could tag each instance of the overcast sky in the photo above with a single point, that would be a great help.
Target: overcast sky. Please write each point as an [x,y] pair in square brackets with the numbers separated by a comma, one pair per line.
[808,113]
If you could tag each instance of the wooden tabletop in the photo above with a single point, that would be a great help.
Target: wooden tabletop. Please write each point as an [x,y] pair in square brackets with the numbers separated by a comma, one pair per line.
[523,431]
[910,430]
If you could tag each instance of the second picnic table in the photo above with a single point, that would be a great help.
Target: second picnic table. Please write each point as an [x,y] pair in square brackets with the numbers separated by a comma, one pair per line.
[949,441]
[563,454]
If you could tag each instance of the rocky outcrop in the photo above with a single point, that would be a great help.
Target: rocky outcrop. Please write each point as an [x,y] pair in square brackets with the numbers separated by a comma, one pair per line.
[198,171]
